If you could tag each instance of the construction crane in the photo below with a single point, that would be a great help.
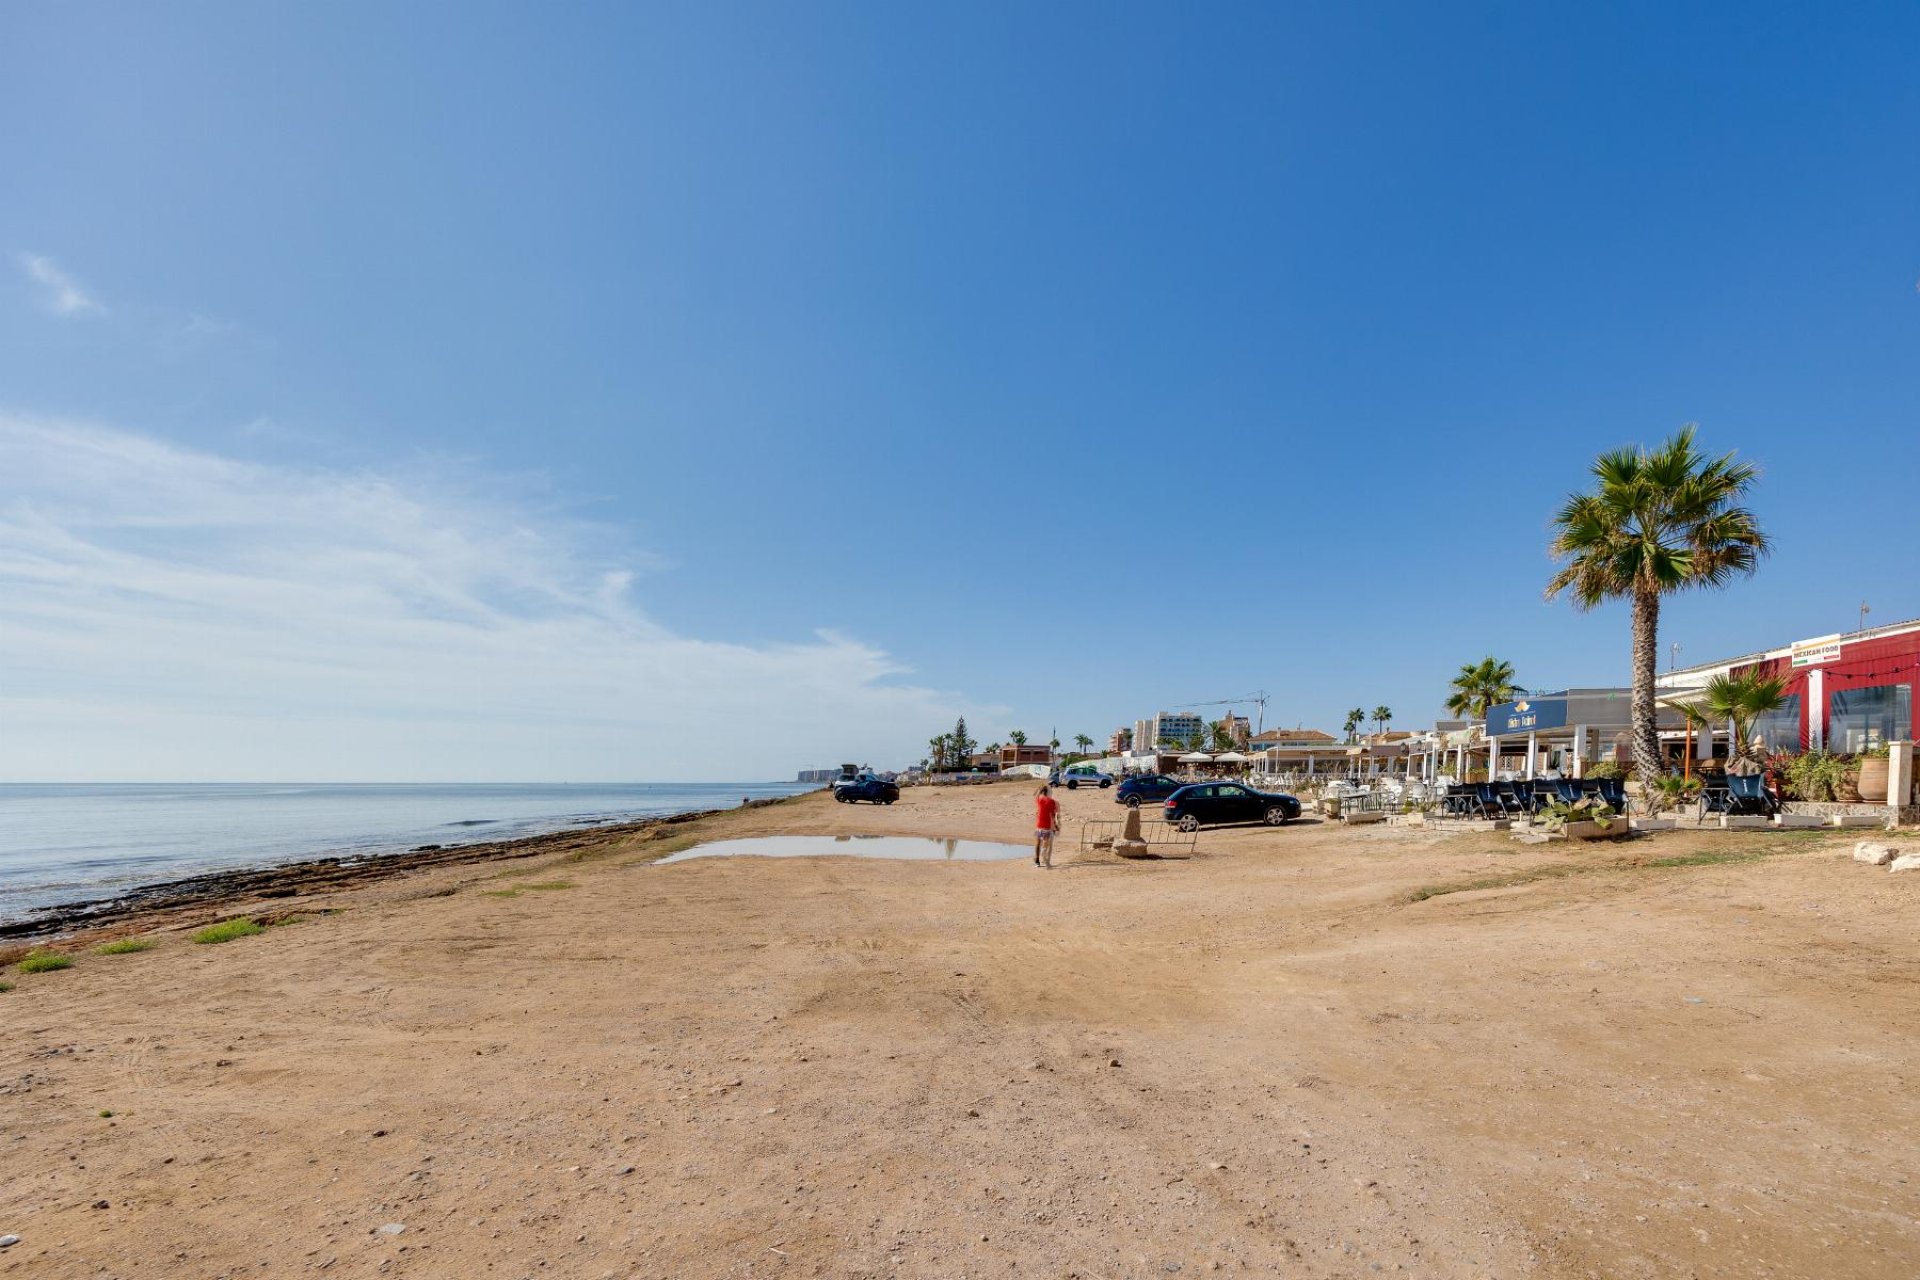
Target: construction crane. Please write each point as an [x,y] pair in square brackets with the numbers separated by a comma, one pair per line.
[1258,698]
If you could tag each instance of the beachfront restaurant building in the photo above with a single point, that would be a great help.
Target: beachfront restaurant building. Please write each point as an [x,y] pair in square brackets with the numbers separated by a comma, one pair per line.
[1847,692]
[1557,733]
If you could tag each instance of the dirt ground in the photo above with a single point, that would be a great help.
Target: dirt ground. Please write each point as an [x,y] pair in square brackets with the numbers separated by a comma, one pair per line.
[1269,1059]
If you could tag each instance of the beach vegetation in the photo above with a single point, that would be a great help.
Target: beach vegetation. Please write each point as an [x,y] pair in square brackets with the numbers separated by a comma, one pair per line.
[126,947]
[546,886]
[45,962]
[5,987]
[106,1115]
[227,931]
[1481,686]
[1656,522]
[1382,717]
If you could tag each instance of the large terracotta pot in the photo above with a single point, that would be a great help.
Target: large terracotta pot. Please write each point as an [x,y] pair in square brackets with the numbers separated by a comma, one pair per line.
[1873,780]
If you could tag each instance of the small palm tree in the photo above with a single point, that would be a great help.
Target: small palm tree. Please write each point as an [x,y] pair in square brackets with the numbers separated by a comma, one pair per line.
[937,749]
[1480,686]
[1738,702]
[1655,523]
[1083,742]
[1355,718]
[1018,737]
[1382,716]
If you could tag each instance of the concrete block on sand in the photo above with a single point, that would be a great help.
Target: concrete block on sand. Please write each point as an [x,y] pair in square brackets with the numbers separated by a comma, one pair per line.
[1652,824]
[1857,820]
[1742,822]
[1352,817]
[1873,853]
[1799,820]
[1906,862]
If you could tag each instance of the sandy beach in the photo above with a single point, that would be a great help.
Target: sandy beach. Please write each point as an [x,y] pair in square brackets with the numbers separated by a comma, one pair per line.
[1308,1051]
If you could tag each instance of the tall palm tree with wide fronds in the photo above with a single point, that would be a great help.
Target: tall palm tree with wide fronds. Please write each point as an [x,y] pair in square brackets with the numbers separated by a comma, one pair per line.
[1382,717]
[1480,686]
[1355,718]
[1656,522]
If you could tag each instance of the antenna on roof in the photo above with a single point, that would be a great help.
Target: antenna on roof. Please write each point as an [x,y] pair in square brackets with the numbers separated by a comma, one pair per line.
[1864,611]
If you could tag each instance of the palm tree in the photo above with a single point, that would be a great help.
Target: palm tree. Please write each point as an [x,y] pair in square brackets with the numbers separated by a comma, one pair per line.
[1381,717]
[1083,742]
[1355,718]
[1221,733]
[1481,685]
[937,746]
[1739,702]
[1656,523]
[1018,737]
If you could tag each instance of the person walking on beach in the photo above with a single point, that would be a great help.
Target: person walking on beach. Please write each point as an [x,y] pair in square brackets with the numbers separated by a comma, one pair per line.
[1046,821]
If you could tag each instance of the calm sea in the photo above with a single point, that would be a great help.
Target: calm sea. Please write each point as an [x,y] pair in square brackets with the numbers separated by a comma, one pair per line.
[63,843]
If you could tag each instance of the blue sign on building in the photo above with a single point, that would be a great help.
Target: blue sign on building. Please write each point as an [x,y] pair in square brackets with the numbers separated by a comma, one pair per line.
[1525,715]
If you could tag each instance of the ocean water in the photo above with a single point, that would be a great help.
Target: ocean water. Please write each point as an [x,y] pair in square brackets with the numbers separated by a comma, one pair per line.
[69,842]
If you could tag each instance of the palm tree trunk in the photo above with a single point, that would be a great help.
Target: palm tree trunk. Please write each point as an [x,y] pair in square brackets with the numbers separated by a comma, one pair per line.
[1647,765]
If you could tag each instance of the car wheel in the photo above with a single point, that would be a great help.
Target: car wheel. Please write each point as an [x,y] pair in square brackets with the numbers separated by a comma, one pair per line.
[1277,816]
[1189,824]
[1073,784]
[1105,783]
[1133,802]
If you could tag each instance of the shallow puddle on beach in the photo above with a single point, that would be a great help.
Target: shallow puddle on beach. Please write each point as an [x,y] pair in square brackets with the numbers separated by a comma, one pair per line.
[852,847]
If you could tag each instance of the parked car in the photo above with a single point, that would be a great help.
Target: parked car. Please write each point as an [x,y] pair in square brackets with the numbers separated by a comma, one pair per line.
[868,788]
[1150,788]
[1076,776]
[1212,804]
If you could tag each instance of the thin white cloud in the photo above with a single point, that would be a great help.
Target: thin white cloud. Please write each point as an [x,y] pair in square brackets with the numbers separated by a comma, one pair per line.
[60,293]
[172,614]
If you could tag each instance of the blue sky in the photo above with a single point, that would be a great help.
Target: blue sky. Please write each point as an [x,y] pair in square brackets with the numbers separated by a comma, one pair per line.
[715,390]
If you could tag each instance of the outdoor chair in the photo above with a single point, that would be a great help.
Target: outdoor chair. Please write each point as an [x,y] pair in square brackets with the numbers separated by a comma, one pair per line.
[1486,799]
[1515,797]
[1456,799]
[1747,795]
[1567,791]
[1545,792]
[1614,792]
[1714,798]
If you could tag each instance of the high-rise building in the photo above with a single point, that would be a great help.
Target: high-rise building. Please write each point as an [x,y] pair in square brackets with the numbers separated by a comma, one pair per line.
[1120,741]
[1177,729]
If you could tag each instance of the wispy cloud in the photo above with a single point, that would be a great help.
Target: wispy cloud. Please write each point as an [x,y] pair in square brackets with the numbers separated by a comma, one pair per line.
[170,613]
[60,293]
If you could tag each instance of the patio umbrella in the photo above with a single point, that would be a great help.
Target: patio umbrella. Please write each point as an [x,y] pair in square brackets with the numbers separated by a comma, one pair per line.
[1231,757]
[1195,757]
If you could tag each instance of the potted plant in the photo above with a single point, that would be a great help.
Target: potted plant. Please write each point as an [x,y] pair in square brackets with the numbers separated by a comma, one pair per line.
[1587,818]
[1670,792]
[1872,780]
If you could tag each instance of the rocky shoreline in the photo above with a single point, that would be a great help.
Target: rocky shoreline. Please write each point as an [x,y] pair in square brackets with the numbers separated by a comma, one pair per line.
[314,876]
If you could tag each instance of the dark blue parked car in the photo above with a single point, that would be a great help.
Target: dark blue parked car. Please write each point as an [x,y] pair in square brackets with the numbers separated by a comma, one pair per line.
[869,788]
[1212,804]
[1148,787]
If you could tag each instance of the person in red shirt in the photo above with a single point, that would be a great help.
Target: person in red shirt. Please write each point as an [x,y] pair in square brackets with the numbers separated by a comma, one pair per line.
[1046,821]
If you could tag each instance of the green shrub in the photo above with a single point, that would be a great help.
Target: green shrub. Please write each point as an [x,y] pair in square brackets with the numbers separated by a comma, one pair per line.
[125,947]
[1605,769]
[6,986]
[228,930]
[1817,775]
[45,962]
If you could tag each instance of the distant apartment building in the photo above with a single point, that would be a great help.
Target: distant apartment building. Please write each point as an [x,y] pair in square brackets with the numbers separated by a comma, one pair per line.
[1143,735]
[1240,729]
[1119,742]
[1175,729]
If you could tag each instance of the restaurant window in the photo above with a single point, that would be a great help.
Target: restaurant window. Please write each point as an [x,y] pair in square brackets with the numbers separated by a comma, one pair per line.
[1779,729]
[1861,719]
